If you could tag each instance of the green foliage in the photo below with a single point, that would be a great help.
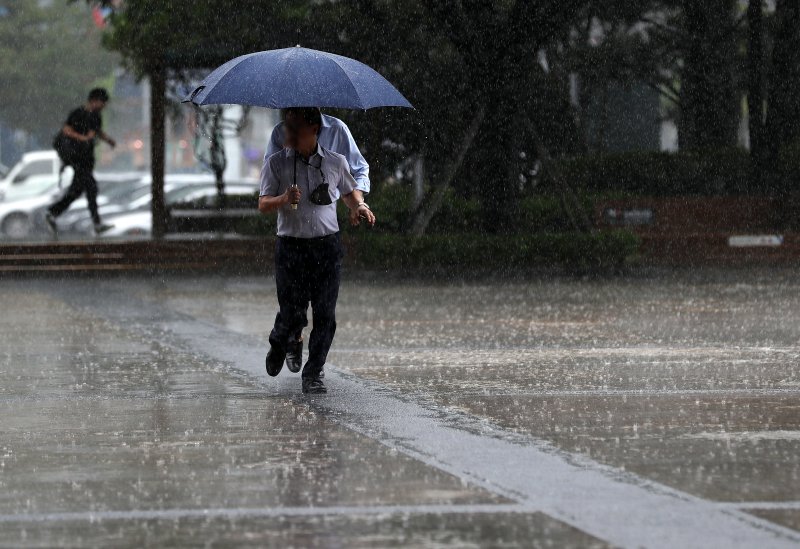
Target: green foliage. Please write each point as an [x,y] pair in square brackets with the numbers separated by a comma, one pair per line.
[201,34]
[698,173]
[659,174]
[50,56]
[448,253]
[454,242]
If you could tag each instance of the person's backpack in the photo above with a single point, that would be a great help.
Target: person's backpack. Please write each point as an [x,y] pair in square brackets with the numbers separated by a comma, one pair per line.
[66,149]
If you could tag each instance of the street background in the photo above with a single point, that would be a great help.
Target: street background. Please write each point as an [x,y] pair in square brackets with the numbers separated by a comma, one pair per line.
[575,323]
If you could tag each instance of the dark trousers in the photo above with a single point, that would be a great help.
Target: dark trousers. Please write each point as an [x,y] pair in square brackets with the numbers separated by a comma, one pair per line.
[307,271]
[82,181]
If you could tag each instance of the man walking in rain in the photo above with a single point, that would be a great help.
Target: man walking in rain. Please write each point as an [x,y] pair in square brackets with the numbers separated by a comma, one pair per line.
[75,145]
[335,136]
[302,183]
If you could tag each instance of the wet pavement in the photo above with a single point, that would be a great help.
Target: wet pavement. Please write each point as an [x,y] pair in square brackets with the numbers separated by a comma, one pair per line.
[135,411]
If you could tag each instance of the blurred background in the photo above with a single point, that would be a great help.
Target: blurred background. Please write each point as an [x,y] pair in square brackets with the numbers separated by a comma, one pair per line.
[581,131]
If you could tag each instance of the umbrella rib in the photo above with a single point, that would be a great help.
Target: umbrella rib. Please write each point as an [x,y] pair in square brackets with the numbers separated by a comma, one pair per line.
[349,81]
[290,60]
[241,59]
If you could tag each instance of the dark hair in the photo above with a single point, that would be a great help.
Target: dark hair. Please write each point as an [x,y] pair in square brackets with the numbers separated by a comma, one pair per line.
[99,94]
[310,115]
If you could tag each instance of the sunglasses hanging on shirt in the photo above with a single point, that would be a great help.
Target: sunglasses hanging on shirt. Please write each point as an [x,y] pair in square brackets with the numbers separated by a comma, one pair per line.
[320,195]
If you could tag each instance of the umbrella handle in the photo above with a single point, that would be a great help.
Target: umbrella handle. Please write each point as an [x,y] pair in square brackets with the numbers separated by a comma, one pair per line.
[294,205]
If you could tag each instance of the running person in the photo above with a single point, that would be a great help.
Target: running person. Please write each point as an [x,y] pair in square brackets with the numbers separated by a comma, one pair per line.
[334,136]
[75,144]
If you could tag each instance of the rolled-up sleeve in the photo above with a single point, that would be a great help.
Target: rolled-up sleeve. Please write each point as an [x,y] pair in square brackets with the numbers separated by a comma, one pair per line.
[270,176]
[359,168]
[347,183]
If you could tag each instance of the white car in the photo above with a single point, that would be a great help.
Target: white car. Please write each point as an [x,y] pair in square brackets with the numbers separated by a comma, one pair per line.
[18,217]
[139,198]
[21,216]
[140,223]
[29,177]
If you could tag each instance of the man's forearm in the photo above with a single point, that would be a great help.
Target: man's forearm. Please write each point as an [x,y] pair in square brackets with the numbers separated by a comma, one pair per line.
[353,199]
[269,204]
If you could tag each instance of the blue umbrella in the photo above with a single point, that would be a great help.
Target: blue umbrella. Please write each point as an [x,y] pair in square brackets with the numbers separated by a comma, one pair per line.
[297,77]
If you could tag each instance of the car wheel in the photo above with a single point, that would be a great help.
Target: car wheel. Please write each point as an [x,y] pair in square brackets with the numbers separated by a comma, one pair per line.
[17,225]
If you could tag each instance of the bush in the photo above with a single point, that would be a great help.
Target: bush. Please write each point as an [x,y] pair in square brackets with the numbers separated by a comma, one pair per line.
[717,172]
[480,252]
[393,204]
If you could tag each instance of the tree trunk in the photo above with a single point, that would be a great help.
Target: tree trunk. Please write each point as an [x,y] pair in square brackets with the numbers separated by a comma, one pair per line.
[755,90]
[710,106]
[158,90]
[217,154]
[424,215]
[783,118]
[579,219]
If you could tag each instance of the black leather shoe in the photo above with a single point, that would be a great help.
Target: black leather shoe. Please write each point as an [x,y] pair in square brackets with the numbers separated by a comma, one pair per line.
[294,356]
[314,386]
[275,358]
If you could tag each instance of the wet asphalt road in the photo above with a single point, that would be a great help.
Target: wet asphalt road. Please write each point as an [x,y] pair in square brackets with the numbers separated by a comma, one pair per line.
[659,411]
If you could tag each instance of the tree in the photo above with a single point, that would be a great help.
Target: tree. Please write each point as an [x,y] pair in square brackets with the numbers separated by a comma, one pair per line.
[171,40]
[209,147]
[755,88]
[472,71]
[783,115]
[50,56]
[709,100]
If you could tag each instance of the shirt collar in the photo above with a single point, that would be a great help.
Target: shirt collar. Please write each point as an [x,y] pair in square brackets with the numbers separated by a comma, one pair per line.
[319,151]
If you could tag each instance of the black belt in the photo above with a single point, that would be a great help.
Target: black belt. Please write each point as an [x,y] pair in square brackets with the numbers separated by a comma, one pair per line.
[311,241]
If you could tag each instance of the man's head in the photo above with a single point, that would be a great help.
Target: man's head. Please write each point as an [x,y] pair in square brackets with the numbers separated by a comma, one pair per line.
[97,99]
[301,127]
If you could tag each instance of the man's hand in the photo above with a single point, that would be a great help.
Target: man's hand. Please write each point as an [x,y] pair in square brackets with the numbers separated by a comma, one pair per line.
[293,195]
[362,212]
[111,142]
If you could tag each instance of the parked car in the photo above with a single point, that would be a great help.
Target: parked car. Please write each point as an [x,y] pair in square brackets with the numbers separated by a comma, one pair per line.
[38,171]
[137,198]
[22,216]
[32,174]
[140,222]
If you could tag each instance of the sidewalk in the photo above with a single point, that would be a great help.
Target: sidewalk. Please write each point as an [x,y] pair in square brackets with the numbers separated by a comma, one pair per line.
[136,412]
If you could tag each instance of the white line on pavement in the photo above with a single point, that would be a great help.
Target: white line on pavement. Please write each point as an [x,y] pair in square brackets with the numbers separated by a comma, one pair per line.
[264,512]
[621,508]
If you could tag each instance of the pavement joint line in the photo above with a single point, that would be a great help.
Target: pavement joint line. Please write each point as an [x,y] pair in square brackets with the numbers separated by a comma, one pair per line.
[265,512]
[636,392]
[760,505]
[605,502]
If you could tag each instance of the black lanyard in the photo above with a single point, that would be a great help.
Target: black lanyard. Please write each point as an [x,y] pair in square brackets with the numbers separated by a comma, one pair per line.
[321,173]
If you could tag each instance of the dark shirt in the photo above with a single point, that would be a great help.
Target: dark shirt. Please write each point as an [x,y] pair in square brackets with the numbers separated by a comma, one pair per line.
[84,121]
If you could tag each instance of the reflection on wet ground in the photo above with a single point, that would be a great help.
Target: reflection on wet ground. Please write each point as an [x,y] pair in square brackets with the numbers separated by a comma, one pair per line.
[691,380]
[675,377]
[397,530]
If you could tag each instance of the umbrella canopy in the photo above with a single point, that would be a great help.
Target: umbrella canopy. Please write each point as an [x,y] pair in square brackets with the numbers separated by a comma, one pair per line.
[297,77]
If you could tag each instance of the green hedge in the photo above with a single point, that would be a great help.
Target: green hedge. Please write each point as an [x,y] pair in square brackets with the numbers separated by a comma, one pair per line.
[480,252]
[452,242]
[695,173]
[719,172]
